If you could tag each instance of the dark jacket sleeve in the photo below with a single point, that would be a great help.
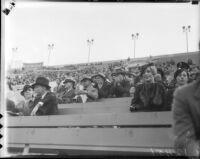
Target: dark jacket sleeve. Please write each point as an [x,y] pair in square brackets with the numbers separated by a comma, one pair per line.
[136,101]
[122,89]
[68,97]
[50,106]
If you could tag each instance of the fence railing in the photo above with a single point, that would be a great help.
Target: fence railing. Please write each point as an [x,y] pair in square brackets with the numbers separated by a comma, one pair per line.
[104,127]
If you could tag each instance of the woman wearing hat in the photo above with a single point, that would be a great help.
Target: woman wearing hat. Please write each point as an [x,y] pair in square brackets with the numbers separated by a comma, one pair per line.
[148,95]
[181,78]
[67,95]
[28,104]
[45,102]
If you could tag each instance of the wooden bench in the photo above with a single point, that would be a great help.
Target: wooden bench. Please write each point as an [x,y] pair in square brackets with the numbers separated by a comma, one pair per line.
[106,128]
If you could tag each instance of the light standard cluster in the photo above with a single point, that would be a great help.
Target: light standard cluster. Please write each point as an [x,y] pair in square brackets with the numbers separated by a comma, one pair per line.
[134,38]
[90,43]
[50,48]
[186,29]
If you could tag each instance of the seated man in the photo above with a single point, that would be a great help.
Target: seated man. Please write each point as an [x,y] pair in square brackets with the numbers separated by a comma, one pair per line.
[120,85]
[68,93]
[45,102]
[103,85]
[86,91]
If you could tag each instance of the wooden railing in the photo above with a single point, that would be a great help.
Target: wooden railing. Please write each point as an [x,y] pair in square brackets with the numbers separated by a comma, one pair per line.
[104,127]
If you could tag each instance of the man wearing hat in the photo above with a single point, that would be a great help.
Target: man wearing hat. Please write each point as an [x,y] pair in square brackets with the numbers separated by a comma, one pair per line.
[103,85]
[45,102]
[120,86]
[89,91]
[67,95]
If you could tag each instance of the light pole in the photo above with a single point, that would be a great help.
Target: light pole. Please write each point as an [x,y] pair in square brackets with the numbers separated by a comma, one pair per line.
[89,42]
[134,38]
[14,50]
[186,29]
[50,48]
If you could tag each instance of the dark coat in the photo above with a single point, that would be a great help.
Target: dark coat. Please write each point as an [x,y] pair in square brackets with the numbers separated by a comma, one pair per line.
[104,91]
[50,105]
[186,115]
[67,97]
[121,89]
[149,97]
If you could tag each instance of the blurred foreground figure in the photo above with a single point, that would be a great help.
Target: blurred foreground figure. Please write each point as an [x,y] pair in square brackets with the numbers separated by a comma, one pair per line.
[186,115]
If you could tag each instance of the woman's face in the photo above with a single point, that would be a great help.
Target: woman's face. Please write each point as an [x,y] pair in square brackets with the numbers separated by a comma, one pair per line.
[182,78]
[148,76]
[28,94]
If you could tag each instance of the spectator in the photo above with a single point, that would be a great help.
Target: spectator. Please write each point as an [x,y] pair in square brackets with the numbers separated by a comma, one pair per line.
[86,91]
[103,85]
[58,88]
[28,104]
[181,77]
[68,93]
[186,115]
[148,95]
[45,102]
[120,85]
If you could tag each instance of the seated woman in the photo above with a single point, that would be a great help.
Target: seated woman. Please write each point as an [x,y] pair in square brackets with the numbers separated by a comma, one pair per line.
[27,105]
[181,77]
[149,96]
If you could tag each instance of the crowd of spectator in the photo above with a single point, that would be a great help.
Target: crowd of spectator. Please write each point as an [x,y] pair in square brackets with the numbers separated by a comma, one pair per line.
[151,86]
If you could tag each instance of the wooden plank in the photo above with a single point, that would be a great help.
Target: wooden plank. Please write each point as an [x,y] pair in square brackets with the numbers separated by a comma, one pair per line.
[90,110]
[109,119]
[106,102]
[40,149]
[120,137]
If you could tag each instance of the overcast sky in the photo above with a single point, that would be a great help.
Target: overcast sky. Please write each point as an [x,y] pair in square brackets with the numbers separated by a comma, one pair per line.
[32,26]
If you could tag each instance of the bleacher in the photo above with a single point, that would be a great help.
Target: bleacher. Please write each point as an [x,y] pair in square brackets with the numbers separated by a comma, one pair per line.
[96,128]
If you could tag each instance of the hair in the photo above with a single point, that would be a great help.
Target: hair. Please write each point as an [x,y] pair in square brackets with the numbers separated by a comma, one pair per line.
[143,68]
[179,71]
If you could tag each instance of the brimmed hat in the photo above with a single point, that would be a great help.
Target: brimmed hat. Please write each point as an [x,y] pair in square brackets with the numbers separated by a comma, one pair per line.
[26,87]
[144,67]
[86,78]
[42,81]
[100,75]
[70,80]
[182,65]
